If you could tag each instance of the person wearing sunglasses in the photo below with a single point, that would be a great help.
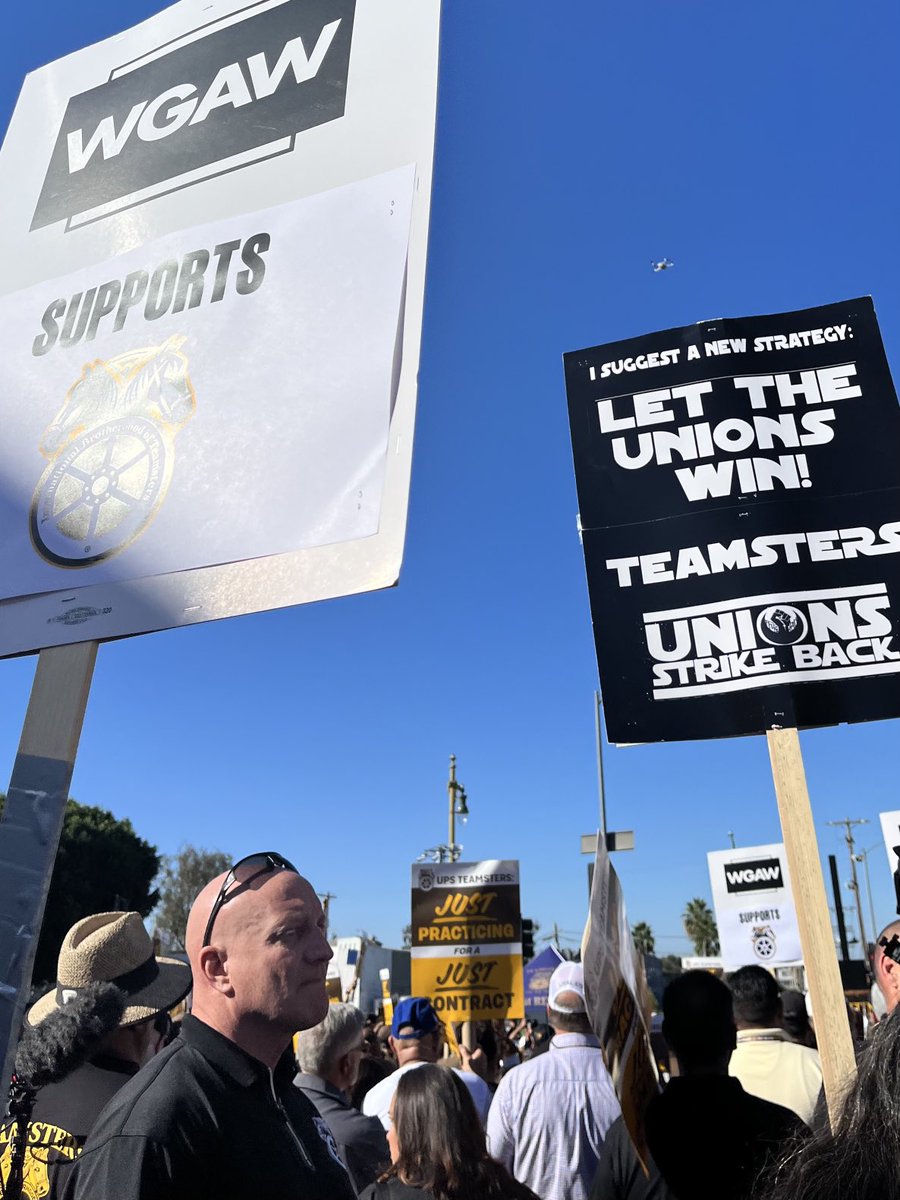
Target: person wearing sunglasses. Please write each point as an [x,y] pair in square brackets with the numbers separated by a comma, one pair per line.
[216,1115]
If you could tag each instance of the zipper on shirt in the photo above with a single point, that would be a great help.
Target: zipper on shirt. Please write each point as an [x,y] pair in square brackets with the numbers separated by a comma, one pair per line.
[290,1128]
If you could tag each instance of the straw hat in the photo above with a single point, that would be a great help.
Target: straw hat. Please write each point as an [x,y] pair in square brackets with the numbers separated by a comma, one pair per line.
[115,948]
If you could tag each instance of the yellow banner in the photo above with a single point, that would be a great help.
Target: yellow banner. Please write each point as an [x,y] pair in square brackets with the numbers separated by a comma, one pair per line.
[481,987]
[387,1002]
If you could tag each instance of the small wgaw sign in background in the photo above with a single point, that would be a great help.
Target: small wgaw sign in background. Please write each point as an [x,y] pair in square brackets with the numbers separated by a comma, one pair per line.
[754,905]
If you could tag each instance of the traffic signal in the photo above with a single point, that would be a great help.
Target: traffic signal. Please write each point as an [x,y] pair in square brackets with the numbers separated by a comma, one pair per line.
[527,939]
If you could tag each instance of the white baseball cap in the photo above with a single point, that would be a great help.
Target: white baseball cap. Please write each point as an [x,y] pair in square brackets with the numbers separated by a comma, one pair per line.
[568,977]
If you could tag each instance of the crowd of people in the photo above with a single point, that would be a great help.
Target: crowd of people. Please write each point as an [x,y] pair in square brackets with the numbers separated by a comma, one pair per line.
[112,1101]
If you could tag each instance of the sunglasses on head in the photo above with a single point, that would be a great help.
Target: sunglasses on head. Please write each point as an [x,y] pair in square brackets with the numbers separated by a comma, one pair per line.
[241,875]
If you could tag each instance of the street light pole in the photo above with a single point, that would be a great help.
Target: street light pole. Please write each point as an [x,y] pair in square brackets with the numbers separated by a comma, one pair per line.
[622,839]
[457,807]
[600,781]
[451,794]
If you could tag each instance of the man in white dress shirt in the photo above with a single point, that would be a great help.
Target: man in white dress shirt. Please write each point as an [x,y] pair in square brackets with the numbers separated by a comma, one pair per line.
[549,1116]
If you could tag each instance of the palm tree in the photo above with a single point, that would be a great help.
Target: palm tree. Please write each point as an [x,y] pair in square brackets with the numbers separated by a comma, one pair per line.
[643,937]
[700,926]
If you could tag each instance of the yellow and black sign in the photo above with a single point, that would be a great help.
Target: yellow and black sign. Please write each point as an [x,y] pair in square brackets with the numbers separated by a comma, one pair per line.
[46,1146]
[467,939]
[387,1000]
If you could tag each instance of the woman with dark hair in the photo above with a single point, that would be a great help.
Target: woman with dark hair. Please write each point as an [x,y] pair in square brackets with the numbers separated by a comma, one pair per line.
[861,1159]
[437,1145]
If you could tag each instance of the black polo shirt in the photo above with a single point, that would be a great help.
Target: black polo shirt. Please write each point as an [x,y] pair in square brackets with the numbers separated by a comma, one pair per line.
[204,1119]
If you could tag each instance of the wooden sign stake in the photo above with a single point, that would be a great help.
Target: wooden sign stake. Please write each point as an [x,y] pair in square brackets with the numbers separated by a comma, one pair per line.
[32,821]
[816,937]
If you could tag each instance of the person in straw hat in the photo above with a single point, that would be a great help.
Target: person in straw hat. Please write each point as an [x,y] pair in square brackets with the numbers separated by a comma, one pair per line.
[106,1017]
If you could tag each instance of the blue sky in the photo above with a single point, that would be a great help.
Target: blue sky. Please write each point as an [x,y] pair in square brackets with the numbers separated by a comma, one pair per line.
[753,146]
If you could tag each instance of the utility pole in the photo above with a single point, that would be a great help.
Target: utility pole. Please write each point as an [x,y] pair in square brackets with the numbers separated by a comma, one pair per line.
[863,857]
[731,835]
[326,898]
[854,882]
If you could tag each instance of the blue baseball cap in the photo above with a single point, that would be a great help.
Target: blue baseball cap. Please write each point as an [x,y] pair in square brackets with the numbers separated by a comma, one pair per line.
[417,1013]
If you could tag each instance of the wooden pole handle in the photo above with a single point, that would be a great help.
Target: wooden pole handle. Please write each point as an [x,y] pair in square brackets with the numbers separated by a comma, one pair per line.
[816,937]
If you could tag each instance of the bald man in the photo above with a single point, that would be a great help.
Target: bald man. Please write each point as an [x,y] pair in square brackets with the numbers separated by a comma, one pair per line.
[214,1116]
[887,970]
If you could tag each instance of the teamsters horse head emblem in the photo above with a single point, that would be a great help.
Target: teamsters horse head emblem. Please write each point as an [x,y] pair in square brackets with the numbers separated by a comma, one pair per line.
[763,941]
[111,451]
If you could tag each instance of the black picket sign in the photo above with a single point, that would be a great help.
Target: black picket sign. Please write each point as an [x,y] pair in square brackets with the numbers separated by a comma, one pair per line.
[739,490]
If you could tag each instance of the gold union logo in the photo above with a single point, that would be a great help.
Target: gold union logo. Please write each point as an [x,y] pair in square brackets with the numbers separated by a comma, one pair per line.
[111,452]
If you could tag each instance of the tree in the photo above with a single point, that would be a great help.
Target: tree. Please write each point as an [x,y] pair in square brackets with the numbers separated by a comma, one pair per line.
[101,866]
[700,926]
[183,877]
[407,937]
[643,937]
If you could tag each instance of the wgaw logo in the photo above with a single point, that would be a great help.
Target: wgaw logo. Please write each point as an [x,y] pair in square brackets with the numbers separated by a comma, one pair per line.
[219,98]
[758,875]
[838,633]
